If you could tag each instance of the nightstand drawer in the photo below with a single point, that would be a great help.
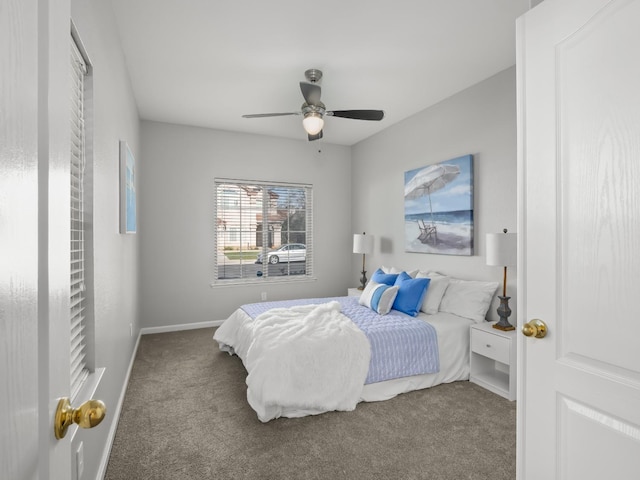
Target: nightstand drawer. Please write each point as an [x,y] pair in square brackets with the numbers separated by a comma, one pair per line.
[490,345]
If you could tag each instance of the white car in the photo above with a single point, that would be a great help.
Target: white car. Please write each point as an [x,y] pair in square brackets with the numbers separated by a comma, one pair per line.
[290,252]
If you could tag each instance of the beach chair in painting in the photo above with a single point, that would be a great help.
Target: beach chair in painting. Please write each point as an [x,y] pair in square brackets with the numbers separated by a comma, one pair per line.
[427,232]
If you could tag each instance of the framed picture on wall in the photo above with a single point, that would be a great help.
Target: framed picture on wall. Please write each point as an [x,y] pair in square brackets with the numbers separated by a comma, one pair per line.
[438,208]
[128,220]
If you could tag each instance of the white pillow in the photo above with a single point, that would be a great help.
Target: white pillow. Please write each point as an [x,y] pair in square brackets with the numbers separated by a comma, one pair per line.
[379,297]
[468,298]
[394,270]
[437,287]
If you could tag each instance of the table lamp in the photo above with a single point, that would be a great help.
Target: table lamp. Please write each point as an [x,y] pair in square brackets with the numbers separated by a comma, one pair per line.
[502,251]
[363,244]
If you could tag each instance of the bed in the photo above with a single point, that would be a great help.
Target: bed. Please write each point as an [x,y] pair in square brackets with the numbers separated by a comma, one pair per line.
[310,356]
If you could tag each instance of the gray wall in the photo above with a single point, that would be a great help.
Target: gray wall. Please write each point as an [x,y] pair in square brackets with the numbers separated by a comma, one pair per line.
[355,189]
[176,217]
[116,256]
[481,121]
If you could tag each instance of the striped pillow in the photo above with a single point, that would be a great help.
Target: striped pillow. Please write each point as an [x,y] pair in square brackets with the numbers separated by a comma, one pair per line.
[378,297]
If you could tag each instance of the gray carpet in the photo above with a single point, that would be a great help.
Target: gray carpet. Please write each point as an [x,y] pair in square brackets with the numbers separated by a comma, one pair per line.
[185,416]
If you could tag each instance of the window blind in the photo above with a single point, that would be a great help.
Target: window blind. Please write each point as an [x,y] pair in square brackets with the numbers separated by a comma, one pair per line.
[79,371]
[263,231]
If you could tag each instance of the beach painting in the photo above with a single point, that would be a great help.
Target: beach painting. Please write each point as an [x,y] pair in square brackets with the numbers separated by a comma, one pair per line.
[438,208]
[128,220]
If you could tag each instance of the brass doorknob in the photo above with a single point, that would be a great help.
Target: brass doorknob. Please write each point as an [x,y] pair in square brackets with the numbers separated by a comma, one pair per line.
[88,415]
[535,328]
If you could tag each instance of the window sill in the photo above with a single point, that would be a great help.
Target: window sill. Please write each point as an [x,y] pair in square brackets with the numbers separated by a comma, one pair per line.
[87,392]
[90,386]
[263,281]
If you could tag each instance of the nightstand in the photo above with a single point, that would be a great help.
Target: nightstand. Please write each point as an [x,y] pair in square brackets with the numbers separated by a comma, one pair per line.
[493,359]
[354,292]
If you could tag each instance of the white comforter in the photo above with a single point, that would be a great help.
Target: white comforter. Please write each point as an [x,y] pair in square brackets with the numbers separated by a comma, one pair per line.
[291,364]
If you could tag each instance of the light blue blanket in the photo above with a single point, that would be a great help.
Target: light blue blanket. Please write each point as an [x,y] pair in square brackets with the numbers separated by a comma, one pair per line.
[401,345]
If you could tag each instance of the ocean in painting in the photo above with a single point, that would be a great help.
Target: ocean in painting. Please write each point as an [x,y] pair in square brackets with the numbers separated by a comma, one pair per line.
[453,233]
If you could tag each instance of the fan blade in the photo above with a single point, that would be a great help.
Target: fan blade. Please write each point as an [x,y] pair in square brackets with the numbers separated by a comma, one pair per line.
[310,92]
[317,136]
[358,114]
[261,115]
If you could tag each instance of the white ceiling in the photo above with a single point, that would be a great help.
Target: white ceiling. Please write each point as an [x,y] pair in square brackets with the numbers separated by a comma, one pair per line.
[207,62]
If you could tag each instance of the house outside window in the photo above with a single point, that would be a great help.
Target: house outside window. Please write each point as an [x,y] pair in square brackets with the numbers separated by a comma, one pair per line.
[263,231]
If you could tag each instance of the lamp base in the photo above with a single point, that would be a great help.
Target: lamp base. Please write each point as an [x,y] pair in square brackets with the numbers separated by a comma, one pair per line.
[363,280]
[506,328]
[503,312]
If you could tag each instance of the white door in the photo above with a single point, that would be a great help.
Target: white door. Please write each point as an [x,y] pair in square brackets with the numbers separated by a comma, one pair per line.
[34,236]
[18,243]
[578,64]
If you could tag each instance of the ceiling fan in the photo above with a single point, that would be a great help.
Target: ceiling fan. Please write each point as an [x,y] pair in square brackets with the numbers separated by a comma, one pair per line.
[314,110]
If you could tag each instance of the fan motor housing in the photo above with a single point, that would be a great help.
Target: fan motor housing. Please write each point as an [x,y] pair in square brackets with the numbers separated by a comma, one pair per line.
[320,108]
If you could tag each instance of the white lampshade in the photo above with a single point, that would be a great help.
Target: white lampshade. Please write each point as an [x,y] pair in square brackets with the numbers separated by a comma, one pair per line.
[313,123]
[502,249]
[362,243]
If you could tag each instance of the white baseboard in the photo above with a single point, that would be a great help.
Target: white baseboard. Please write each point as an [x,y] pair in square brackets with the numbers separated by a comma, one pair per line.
[183,326]
[102,468]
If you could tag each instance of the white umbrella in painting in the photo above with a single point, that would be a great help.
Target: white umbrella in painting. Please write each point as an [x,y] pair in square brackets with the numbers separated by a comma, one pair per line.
[424,183]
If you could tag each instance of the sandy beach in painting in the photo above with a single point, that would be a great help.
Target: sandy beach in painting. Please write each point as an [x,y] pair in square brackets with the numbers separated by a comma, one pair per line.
[452,239]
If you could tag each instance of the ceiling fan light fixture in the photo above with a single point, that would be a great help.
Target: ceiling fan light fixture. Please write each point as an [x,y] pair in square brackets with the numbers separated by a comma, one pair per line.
[313,123]
[313,110]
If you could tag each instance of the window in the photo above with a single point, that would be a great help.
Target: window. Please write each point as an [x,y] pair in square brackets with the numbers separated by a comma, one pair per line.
[263,231]
[79,371]
[83,373]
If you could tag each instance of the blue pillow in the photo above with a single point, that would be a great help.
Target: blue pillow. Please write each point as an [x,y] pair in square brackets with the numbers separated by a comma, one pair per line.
[411,292]
[387,278]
